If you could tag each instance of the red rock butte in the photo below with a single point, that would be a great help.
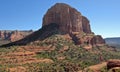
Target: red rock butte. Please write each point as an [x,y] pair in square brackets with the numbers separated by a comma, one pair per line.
[68,19]
[72,22]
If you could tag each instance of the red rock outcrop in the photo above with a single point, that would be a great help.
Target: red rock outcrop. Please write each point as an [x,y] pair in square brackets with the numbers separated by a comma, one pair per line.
[16,35]
[88,40]
[68,19]
[97,40]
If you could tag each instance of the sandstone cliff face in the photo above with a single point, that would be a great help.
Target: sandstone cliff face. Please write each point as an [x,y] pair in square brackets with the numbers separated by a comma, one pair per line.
[86,25]
[68,18]
[13,35]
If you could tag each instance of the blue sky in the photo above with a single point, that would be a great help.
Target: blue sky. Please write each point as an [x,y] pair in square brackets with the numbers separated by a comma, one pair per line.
[104,15]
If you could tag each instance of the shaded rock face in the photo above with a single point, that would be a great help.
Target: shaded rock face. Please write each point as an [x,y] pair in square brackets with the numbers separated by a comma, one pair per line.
[13,35]
[68,18]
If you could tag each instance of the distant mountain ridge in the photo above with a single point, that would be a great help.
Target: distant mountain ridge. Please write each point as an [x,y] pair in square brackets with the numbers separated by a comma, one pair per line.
[115,41]
[7,36]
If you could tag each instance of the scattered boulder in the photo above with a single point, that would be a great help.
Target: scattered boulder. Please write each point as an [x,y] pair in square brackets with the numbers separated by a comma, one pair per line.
[113,64]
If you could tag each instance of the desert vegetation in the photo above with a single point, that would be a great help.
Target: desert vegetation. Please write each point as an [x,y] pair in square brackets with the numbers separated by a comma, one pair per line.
[54,54]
